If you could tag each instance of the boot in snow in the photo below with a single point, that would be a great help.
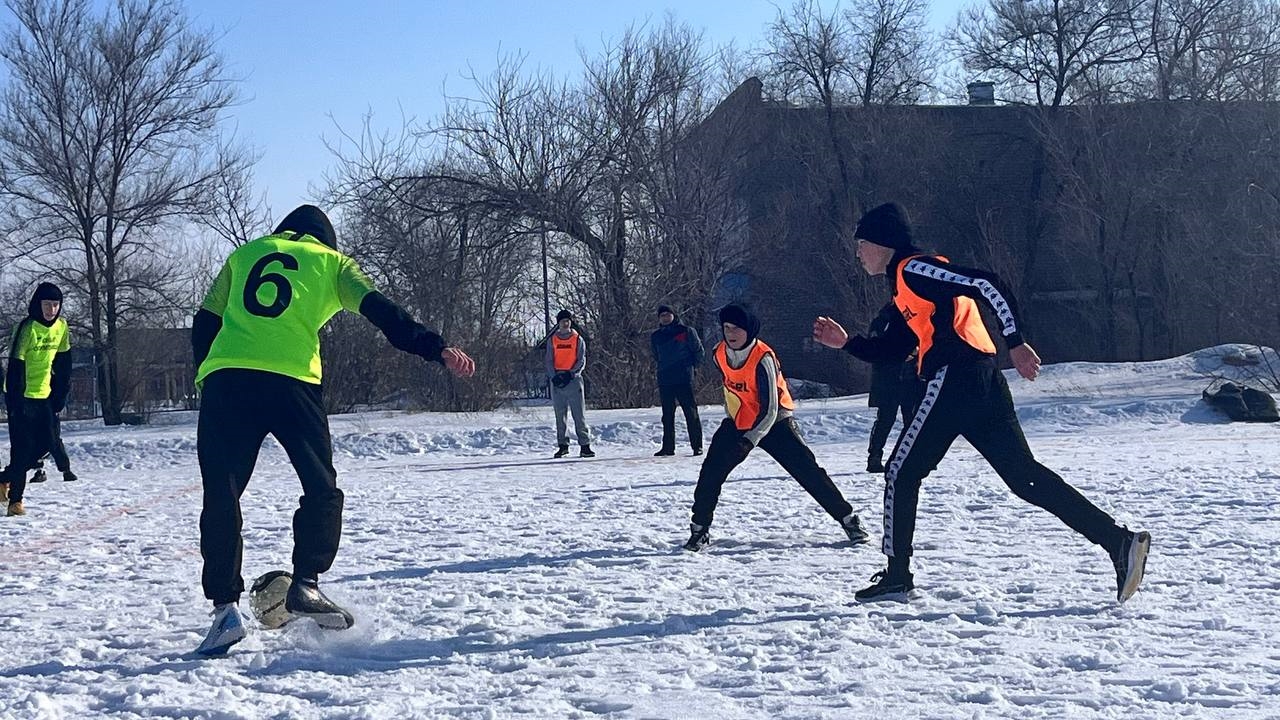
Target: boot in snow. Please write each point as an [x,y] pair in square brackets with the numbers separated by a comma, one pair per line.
[886,586]
[853,528]
[227,630]
[699,537]
[305,600]
[1130,561]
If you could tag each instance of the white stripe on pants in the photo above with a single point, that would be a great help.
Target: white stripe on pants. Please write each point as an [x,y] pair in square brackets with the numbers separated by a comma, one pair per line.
[909,435]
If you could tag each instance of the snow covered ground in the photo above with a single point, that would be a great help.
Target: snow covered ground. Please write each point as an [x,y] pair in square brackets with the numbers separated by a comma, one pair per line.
[492,582]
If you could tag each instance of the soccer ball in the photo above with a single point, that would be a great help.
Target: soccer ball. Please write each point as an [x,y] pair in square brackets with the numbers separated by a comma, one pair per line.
[266,599]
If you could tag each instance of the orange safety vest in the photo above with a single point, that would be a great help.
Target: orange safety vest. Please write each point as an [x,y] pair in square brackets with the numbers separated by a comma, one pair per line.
[918,312]
[741,396]
[565,349]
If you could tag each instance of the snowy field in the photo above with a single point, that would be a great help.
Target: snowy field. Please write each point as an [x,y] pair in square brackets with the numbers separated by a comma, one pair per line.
[492,582]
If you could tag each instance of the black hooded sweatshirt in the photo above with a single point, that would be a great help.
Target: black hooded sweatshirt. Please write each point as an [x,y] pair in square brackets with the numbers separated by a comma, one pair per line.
[15,384]
[401,330]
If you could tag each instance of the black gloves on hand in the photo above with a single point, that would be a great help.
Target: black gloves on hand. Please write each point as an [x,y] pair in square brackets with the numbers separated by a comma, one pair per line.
[562,378]
[742,447]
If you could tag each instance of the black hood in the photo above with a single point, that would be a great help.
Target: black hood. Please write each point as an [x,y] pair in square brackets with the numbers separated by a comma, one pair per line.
[309,220]
[44,291]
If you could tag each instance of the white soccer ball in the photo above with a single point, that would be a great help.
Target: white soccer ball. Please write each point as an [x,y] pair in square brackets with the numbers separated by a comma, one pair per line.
[266,599]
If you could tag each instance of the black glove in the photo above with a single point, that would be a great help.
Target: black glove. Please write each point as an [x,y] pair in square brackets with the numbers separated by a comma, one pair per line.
[59,405]
[562,378]
[13,404]
[744,447]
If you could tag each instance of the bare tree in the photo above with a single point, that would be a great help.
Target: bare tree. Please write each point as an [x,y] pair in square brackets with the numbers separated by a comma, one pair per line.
[233,214]
[107,144]
[581,161]
[893,54]
[811,56]
[1045,50]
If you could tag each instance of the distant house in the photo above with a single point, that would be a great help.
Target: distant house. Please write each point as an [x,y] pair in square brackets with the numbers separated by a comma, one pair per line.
[1125,231]
[156,374]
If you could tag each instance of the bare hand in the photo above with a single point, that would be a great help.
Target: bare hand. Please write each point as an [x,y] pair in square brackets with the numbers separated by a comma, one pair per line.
[828,332]
[458,362]
[1025,360]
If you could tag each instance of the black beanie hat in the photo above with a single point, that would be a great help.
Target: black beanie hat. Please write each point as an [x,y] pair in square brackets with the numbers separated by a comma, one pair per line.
[741,315]
[564,315]
[309,220]
[887,226]
[665,309]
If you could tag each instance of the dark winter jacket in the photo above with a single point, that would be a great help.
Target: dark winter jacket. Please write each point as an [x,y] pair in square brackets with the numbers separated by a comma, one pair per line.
[889,378]
[677,350]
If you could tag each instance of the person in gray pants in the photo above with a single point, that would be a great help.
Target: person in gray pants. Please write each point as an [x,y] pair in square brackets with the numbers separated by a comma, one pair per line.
[566,357]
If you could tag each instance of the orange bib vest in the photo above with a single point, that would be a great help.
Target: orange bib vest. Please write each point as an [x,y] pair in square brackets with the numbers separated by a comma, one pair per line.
[741,394]
[918,312]
[566,350]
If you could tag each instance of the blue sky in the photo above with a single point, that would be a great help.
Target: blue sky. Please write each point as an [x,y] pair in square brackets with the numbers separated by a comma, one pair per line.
[308,67]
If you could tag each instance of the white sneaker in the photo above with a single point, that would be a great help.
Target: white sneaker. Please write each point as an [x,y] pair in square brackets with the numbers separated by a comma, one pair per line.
[227,630]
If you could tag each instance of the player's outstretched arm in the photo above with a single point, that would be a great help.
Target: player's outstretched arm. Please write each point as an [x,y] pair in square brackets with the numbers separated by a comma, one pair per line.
[406,334]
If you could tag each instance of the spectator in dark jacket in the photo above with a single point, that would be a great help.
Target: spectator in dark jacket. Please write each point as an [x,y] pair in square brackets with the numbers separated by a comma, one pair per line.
[677,350]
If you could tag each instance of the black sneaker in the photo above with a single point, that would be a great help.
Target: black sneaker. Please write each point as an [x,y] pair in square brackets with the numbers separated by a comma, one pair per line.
[564,450]
[884,587]
[586,451]
[853,528]
[68,476]
[1130,561]
[697,451]
[699,537]
[304,599]
[39,477]
[874,465]
[664,453]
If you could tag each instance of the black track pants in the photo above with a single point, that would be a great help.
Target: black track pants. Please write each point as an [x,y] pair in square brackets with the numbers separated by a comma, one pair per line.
[57,450]
[972,400]
[783,443]
[682,395]
[31,435]
[238,409]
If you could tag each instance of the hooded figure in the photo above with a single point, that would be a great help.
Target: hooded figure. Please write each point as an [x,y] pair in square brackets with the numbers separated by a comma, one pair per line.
[566,358]
[256,344]
[760,414]
[309,220]
[36,385]
[966,396]
[677,351]
[742,316]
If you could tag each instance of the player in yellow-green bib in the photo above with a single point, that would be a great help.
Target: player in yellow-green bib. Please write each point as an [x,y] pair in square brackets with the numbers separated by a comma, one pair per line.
[35,389]
[257,348]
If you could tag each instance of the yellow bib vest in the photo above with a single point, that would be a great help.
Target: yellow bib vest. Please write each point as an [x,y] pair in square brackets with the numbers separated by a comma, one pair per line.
[274,294]
[36,345]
